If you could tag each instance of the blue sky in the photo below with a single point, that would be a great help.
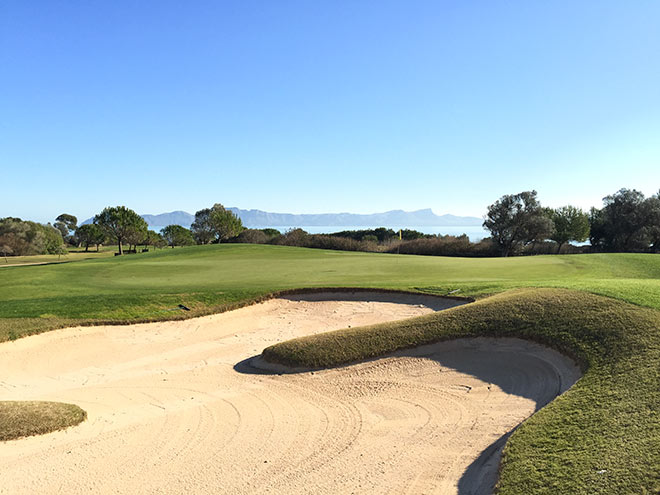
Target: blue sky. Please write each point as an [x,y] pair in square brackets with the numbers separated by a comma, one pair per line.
[305,106]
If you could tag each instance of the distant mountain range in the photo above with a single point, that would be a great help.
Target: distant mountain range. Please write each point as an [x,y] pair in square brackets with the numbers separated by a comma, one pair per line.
[393,218]
[259,218]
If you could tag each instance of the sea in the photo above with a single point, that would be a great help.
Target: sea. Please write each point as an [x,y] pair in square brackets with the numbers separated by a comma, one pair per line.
[474,232]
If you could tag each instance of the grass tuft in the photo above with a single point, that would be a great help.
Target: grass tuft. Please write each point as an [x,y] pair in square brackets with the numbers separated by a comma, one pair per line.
[20,419]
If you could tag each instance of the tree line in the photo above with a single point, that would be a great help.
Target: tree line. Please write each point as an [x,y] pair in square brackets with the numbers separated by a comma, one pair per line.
[628,222]
[518,224]
[125,226]
[114,225]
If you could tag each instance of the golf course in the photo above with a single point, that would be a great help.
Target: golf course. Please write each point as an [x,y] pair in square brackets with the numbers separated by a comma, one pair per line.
[598,311]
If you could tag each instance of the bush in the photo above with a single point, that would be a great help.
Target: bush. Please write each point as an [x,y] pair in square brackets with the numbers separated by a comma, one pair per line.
[23,238]
[251,236]
[447,245]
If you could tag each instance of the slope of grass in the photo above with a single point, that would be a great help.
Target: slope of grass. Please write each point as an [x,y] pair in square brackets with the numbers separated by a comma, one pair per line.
[602,436]
[145,287]
[25,418]
[74,254]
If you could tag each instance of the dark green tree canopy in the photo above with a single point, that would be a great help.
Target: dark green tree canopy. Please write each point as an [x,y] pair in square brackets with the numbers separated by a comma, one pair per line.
[70,221]
[201,227]
[571,224]
[119,222]
[215,224]
[225,223]
[152,238]
[90,234]
[653,229]
[517,219]
[135,236]
[176,235]
[627,222]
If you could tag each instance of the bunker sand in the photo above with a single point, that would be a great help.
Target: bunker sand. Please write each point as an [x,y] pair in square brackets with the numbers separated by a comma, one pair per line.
[168,413]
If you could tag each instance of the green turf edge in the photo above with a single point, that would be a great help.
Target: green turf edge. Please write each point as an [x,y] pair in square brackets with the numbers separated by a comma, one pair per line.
[19,419]
[601,436]
[24,327]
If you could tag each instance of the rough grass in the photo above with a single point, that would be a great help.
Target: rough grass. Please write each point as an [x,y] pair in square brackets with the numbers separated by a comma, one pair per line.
[208,279]
[74,254]
[610,420]
[25,418]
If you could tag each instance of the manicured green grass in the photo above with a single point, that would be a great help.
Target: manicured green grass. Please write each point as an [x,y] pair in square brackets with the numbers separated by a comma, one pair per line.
[207,279]
[609,420]
[25,418]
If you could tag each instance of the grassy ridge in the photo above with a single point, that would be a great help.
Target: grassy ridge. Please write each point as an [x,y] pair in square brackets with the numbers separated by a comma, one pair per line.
[25,418]
[208,279]
[610,420]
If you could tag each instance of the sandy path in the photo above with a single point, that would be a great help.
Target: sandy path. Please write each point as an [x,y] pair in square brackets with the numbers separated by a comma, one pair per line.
[169,414]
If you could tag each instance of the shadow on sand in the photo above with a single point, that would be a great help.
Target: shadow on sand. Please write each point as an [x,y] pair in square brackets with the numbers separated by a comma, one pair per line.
[516,366]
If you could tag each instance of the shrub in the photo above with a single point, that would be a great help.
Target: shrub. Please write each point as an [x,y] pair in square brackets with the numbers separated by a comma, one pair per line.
[251,236]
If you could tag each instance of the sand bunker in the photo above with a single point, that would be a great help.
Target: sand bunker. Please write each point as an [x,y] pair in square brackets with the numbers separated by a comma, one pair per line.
[168,413]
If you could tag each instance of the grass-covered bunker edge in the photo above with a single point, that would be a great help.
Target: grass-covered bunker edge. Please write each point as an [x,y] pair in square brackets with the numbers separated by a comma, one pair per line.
[602,435]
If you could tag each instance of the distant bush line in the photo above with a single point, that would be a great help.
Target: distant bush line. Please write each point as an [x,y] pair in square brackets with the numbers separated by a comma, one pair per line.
[375,241]
[518,225]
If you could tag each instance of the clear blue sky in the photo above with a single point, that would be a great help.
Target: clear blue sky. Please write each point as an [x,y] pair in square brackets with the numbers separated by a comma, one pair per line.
[308,106]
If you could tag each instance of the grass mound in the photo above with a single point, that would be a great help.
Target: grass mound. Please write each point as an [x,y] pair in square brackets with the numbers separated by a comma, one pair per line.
[26,418]
[602,436]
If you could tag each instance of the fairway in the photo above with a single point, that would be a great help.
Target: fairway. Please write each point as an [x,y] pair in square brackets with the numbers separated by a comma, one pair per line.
[208,279]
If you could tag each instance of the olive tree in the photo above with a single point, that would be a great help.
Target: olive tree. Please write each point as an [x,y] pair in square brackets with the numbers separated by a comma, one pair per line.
[517,219]
[627,222]
[571,224]
[176,235]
